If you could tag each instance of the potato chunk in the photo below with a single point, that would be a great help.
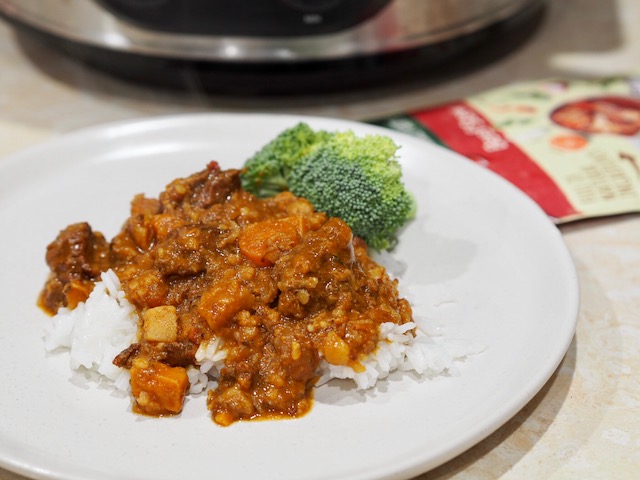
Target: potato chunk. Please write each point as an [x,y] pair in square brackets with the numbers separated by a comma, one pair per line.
[336,351]
[157,388]
[160,324]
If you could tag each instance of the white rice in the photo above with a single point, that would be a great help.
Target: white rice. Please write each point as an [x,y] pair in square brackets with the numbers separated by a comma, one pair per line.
[210,359]
[399,349]
[96,331]
[100,328]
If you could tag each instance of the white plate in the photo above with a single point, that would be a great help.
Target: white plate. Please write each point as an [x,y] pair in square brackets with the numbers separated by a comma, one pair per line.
[484,260]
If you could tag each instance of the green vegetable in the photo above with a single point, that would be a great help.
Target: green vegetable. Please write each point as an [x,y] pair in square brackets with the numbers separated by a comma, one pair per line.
[357,179]
[267,172]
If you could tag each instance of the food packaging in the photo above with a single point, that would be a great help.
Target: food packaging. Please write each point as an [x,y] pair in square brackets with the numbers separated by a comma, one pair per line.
[573,146]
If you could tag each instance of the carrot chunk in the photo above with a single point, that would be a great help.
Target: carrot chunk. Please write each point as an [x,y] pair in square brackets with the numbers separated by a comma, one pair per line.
[158,389]
[223,300]
[263,242]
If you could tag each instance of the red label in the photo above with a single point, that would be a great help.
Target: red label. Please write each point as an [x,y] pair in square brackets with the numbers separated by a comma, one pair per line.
[466,131]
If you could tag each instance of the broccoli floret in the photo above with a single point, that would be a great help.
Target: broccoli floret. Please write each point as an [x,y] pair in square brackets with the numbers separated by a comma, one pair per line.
[267,171]
[359,180]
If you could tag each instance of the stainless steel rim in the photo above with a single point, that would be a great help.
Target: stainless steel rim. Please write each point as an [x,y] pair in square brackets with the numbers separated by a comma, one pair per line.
[403,25]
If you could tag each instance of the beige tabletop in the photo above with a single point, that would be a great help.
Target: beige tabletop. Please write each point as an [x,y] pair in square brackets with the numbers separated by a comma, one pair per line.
[585,422]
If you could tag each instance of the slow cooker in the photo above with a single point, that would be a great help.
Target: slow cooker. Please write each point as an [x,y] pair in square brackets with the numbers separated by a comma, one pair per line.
[270,45]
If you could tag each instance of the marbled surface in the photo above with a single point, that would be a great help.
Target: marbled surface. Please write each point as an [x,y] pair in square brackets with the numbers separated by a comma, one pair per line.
[585,422]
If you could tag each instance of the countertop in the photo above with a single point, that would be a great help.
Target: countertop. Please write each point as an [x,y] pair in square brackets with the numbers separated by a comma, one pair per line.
[584,423]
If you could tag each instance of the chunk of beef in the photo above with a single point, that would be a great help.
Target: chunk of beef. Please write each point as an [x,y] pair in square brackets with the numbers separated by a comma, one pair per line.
[202,189]
[174,354]
[76,258]
[78,252]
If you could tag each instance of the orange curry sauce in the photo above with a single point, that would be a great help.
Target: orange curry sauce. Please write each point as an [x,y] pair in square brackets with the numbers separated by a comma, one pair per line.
[280,284]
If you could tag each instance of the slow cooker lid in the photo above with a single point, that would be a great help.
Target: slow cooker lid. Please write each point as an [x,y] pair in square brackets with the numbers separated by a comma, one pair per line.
[261,18]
